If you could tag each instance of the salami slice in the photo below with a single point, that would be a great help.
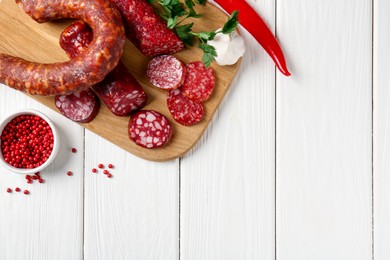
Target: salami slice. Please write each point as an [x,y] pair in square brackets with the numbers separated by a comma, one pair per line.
[199,82]
[80,107]
[166,72]
[149,129]
[184,110]
[121,92]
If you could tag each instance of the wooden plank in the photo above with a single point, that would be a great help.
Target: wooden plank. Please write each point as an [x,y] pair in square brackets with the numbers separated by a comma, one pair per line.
[227,182]
[48,223]
[25,38]
[381,130]
[324,129]
[134,215]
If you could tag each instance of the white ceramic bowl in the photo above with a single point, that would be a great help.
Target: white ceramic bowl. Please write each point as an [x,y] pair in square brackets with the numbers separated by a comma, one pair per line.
[56,144]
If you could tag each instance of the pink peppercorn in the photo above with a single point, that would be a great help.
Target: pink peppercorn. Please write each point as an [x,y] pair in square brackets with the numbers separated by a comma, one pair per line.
[27,142]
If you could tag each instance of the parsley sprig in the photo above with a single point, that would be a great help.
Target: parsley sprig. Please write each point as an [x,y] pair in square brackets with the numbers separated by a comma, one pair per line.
[176,12]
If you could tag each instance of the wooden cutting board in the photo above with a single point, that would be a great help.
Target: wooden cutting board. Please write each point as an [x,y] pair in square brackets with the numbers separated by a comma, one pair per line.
[23,37]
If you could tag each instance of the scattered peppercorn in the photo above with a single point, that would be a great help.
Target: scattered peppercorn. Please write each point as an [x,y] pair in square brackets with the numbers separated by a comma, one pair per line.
[9,190]
[110,166]
[74,150]
[26,192]
[69,173]
[17,189]
[94,170]
[101,166]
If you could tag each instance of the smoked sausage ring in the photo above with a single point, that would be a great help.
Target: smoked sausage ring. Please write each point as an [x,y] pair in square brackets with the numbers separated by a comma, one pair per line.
[81,72]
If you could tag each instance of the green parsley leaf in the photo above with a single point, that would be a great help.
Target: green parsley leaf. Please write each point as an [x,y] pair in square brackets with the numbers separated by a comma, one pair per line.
[207,59]
[208,48]
[192,13]
[167,14]
[190,4]
[206,36]
[171,23]
[202,2]
[175,2]
[173,9]
[231,24]
[183,32]
[178,10]
[209,54]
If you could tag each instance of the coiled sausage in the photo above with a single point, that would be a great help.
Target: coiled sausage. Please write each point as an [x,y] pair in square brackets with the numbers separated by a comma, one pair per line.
[81,72]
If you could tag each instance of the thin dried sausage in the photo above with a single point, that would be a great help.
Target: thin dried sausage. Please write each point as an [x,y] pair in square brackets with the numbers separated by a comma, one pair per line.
[120,91]
[80,72]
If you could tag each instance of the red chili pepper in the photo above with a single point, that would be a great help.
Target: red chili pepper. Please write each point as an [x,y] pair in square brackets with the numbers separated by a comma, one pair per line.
[255,25]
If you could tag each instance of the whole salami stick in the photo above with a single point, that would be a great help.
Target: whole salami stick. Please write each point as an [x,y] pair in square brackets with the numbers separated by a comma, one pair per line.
[146,30]
[120,91]
[81,72]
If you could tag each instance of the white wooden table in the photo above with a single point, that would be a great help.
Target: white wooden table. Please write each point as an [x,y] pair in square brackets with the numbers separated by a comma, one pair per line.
[290,168]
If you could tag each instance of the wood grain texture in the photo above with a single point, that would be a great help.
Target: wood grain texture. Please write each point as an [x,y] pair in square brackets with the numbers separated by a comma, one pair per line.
[48,223]
[134,215]
[324,131]
[26,38]
[381,130]
[227,182]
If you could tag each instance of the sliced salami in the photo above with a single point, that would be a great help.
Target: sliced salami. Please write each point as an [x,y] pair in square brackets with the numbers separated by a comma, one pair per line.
[199,82]
[121,92]
[149,129]
[80,107]
[166,72]
[184,110]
